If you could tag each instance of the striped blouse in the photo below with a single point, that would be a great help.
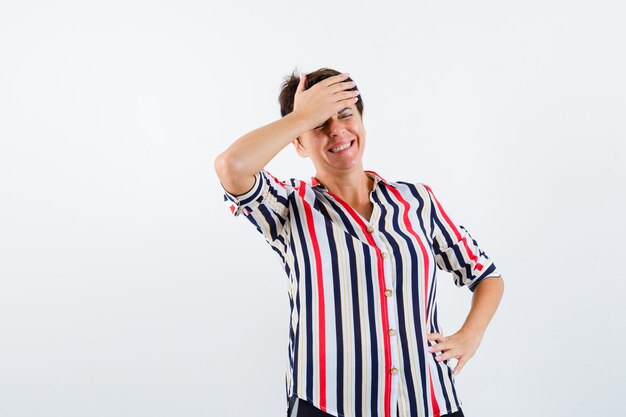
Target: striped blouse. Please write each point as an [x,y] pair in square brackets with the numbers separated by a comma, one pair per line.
[363,292]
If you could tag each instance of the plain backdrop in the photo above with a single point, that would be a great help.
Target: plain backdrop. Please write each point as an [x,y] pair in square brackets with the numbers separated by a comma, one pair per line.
[128,289]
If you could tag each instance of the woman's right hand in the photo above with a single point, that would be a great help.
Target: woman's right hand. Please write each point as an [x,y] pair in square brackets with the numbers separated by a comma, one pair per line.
[321,101]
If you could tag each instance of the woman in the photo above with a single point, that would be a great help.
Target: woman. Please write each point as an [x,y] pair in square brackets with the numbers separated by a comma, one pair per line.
[360,254]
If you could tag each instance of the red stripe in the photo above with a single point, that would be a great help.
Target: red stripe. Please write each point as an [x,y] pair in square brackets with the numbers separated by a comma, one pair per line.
[380,268]
[409,227]
[320,296]
[376,174]
[473,257]
[279,182]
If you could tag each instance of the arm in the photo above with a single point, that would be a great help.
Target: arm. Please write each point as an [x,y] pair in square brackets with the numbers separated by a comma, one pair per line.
[463,344]
[485,301]
[236,166]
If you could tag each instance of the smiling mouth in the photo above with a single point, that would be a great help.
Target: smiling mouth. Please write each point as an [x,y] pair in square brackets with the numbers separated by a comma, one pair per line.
[342,148]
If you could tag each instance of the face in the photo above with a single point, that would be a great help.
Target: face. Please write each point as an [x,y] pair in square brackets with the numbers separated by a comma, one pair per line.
[325,144]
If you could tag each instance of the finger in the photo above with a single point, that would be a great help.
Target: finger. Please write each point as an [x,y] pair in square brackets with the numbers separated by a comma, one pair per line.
[334,79]
[445,356]
[346,95]
[459,366]
[436,337]
[347,103]
[439,347]
[346,85]
[301,82]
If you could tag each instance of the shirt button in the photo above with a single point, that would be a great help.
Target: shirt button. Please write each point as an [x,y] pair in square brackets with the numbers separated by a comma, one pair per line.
[388,292]
[391,332]
[370,229]
[384,255]
[394,371]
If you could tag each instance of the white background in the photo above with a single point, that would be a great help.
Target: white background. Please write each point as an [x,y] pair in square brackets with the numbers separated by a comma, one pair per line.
[128,289]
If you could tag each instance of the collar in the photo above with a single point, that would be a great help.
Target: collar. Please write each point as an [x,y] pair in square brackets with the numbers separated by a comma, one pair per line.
[377,178]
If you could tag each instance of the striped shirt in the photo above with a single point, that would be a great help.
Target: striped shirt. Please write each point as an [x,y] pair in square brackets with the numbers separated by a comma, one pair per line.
[363,292]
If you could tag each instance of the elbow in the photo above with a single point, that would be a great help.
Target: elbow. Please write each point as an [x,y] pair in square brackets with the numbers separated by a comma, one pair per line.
[225,166]
[220,164]
[233,175]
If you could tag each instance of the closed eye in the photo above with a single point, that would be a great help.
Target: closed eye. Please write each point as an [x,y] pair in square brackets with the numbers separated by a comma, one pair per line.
[342,116]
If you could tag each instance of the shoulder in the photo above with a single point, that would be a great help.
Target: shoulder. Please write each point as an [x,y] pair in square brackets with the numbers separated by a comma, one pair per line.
[419,192]
[416,188]
[290,183]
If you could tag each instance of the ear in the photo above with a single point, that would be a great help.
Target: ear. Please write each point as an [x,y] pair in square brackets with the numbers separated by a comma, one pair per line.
[299,148]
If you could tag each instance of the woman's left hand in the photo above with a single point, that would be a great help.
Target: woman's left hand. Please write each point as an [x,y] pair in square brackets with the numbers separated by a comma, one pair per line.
[461,345]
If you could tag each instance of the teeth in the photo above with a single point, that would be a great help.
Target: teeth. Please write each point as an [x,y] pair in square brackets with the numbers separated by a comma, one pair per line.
[341,148]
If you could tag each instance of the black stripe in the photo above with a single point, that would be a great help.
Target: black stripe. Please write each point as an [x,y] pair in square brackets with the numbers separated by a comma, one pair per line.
[308,302]
[279,198]
[356,319]
[483,275]
[371,312]
[270,218]
[435,329]
[257,191]
[347,223]
[296,337]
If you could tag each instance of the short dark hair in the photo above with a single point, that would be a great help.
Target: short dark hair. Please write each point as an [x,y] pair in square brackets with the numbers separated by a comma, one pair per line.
[290,84]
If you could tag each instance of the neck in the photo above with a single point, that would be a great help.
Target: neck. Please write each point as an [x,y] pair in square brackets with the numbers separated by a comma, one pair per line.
[353,187]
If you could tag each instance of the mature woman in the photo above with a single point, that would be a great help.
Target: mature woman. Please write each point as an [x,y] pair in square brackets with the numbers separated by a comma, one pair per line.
[360,254]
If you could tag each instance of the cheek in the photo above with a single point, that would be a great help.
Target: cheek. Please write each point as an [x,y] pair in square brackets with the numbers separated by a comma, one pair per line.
[356,127]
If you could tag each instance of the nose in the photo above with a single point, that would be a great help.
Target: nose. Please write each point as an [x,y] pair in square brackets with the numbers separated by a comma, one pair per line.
[335,127]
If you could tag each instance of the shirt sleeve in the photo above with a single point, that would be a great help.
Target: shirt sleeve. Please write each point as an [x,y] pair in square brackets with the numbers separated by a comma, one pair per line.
[266,206]
[456,250]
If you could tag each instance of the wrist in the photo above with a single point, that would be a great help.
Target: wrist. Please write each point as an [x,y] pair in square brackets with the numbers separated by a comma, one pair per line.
[300,120]
[473,330]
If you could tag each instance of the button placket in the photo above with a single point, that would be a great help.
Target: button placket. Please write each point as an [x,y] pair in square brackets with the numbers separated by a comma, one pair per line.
[391,309]
[384,256]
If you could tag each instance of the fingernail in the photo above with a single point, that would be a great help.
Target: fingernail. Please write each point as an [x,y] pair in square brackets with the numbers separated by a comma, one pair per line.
[430,349]
[456,372]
